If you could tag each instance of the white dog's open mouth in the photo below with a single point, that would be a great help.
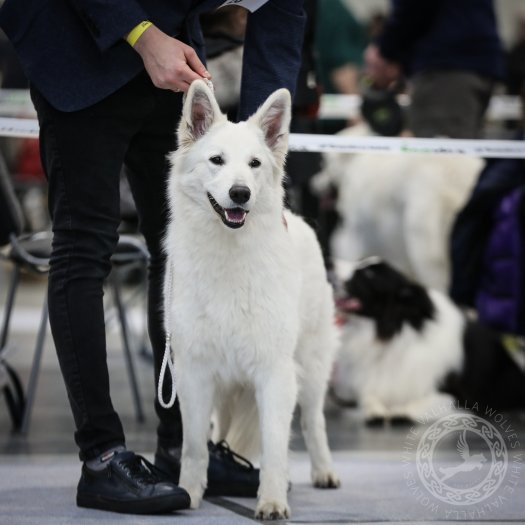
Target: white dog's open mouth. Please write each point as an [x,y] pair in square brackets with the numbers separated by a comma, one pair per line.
[232,217]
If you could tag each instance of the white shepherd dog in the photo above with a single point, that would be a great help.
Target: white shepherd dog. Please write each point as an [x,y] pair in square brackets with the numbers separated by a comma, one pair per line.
[251,313]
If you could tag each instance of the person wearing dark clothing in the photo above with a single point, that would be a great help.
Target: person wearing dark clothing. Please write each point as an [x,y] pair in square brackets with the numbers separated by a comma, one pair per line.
[452,53]
[487,275]
[107,78]
[488,247]
[516,61]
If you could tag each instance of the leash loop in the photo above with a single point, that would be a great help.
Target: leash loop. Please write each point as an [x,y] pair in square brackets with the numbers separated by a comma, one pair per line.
[168,360]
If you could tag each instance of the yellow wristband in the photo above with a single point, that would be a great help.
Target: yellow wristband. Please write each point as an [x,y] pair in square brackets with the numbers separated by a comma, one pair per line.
[136,32]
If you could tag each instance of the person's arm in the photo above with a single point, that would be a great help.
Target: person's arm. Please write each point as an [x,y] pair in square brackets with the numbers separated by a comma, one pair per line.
[272,52]
[170,63]
[407,22]
[108,21]
[380,72]
[345,79]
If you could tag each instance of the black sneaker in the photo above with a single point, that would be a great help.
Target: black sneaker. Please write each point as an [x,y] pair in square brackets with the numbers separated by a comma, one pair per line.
[229,474]
[132,485]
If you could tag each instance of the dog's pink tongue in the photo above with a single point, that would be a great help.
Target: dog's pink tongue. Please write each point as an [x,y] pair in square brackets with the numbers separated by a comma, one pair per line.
[349,304]
[235,214]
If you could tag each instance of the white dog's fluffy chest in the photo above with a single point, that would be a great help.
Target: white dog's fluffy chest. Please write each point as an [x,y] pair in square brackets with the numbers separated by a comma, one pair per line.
[235,305]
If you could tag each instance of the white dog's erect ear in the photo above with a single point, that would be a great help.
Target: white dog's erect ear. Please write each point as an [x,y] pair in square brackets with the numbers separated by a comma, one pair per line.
[199,112]
[273,117]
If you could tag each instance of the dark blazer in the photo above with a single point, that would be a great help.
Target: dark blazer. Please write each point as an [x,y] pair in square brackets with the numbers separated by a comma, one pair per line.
[74,53]
[443,35]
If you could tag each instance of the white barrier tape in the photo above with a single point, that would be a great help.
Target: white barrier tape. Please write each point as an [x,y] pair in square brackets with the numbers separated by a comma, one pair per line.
[23,128]
[501,107]
[512,149]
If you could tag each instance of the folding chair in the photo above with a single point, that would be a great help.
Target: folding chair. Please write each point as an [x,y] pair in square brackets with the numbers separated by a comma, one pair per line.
[31,252]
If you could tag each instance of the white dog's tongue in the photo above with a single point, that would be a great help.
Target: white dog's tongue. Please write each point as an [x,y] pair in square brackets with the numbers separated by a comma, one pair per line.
[235,214]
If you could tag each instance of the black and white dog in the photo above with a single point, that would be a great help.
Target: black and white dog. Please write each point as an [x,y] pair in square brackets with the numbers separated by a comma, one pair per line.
[409,353]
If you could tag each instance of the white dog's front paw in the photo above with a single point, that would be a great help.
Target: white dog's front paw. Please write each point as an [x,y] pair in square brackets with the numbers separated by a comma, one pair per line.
[195,491]
[196,498]
[272,510]
[325,480]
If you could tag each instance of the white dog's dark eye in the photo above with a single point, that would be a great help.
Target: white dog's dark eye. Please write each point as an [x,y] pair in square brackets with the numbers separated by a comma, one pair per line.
[217,160]
[255,163]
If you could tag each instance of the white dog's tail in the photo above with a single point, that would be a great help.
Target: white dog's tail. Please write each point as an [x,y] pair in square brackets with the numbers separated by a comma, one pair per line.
[239,420]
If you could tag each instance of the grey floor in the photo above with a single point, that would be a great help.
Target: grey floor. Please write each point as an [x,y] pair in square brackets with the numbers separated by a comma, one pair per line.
[377,466]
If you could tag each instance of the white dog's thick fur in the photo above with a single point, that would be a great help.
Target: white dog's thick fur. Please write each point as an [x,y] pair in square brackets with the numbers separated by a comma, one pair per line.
[399,206]
[251,307]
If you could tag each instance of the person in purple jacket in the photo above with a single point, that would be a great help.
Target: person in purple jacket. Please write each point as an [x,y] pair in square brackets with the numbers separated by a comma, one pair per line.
[107,78]
[452,53]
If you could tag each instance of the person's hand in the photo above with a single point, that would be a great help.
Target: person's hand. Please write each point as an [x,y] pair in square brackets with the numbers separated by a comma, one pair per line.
[170,63]
[381,72]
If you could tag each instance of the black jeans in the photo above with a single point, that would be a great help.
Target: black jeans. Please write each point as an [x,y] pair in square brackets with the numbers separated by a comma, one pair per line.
[82,154]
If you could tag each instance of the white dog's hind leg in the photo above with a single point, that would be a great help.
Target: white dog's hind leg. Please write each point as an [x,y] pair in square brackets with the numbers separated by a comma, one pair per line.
[244,433]
[315,353]
[276,392]
[313,424]
[196,393]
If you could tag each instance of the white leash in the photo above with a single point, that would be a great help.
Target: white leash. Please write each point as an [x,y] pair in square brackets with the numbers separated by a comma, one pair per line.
[168,360]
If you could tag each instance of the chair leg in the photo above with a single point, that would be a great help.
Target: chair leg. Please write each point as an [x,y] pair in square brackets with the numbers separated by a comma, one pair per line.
[127,348]
[14,394]
[15,278]
[145,351]
[35,370]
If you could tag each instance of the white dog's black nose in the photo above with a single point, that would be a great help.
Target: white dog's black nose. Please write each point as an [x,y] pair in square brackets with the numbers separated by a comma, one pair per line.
[240,194]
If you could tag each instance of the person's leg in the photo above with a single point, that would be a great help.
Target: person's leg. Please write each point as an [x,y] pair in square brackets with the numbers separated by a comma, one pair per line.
[448,103]
[82,153]
[147,170]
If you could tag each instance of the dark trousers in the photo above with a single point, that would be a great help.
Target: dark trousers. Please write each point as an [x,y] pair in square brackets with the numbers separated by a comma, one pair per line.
[449,103]
[82,154]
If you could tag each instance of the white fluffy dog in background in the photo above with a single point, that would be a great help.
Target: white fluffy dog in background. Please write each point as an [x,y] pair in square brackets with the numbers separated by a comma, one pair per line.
[398,206]
[251,312]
